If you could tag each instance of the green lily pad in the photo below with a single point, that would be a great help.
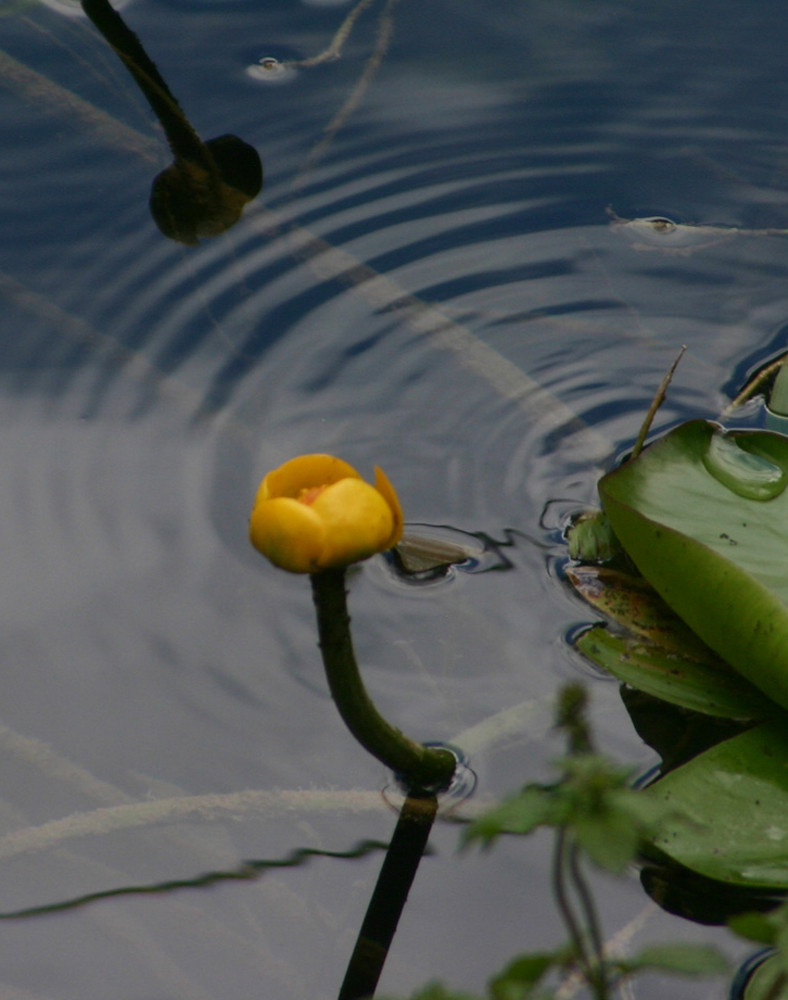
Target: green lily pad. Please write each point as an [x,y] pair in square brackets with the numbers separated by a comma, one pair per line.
[731,810]
[704,516]
[699,686]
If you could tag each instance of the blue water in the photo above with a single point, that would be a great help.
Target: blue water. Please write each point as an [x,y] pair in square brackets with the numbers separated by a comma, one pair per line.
[431,281]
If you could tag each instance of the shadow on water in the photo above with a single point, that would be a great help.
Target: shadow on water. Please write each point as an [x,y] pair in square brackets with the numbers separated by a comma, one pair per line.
[245,872]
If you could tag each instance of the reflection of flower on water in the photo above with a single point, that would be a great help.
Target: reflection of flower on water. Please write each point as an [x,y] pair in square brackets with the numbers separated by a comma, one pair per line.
[315,512]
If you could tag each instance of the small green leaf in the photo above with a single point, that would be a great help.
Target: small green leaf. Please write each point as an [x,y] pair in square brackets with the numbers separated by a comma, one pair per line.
[590,775]
[754,927]
[522,974]
[608,838]
[535,805]
[590,538]
[645,813]
[437,991]
[593,800]
[613,833]
[682,959]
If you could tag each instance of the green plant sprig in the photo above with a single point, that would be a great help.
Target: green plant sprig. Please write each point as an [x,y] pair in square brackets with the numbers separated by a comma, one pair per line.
[598,817]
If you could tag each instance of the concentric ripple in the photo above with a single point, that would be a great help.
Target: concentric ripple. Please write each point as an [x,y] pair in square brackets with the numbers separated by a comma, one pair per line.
[457,271]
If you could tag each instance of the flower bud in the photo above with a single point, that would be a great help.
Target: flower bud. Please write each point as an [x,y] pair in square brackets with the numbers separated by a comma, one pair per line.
[315,512]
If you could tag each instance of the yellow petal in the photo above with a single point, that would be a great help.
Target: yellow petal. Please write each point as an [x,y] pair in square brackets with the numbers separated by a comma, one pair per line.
[389,494]
[358,522]
[302,473]
[289,533]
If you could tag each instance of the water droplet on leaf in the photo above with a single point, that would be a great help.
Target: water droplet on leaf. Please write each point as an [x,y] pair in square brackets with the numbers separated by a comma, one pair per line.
[746,473]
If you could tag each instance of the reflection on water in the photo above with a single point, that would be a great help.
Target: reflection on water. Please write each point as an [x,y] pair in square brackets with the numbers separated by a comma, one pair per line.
[244,872]
[71,8]
[431,282]
[203,192]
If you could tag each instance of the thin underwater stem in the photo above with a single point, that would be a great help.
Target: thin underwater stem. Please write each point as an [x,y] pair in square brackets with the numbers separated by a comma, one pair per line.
[417,766]
[389,896]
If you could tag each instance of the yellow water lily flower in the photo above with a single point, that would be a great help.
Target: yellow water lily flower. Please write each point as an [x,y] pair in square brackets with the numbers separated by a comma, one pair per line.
[315,512]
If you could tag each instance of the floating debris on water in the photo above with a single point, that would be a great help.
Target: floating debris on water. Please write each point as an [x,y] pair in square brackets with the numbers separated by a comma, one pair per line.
[658,232]
[272,70]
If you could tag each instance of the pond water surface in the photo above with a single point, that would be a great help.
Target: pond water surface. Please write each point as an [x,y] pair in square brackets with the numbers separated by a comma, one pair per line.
[437,278]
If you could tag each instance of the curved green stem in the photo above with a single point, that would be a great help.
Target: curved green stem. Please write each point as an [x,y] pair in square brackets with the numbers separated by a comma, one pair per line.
[418,766]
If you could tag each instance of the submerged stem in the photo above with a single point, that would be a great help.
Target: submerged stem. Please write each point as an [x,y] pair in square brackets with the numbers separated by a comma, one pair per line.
[419,767]
[388,900]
